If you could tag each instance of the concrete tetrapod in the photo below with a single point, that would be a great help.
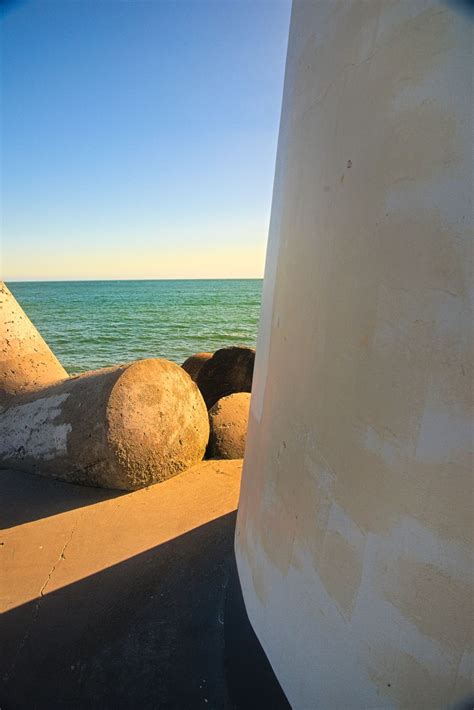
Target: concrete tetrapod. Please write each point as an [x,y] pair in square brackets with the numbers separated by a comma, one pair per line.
[229,370]
[26,361]
[193,364]
[228,420]
[122,427]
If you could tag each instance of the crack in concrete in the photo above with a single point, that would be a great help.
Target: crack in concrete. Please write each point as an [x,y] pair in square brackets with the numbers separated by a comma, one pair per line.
[61,557]
[37,608]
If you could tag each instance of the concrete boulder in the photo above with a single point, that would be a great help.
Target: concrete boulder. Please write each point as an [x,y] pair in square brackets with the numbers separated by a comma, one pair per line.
[228,420]
[122,427]
[229,370]
[26,361]
[194,363]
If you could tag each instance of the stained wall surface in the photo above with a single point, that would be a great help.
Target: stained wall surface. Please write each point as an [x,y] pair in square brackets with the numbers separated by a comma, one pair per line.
[355,523]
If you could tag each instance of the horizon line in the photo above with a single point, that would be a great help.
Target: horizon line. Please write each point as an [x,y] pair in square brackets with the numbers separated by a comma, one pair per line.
[92,280]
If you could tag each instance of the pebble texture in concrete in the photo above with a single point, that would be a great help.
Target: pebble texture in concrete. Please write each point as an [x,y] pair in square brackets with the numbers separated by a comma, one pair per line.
[26,361]
[228,420]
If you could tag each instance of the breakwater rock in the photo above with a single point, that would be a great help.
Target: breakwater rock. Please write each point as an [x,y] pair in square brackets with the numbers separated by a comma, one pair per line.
[26,361]
[123,427]
[228,420]
[229,370]
[193,364]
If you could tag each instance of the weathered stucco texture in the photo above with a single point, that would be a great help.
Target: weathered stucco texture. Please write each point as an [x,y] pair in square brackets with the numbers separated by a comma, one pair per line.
[355,523]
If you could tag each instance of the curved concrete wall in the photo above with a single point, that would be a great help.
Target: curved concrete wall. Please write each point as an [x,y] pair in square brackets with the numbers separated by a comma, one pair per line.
[355,522]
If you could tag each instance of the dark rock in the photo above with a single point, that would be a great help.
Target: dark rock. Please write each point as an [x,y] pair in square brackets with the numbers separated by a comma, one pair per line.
[194,363]
[229,370]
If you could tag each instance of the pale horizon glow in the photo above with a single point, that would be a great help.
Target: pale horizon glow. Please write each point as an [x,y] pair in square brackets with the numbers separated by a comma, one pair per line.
[228,263]
[182,258]
[139,139]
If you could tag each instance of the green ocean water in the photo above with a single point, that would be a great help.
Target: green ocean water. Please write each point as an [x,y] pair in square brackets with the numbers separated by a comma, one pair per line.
[92,324]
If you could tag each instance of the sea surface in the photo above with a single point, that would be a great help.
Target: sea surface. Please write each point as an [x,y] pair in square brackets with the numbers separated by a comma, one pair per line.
[92,324]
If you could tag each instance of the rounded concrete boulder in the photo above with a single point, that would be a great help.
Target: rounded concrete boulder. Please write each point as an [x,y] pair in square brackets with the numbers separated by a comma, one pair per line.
[26,361]
[228,420]
[122,427]
[194,363]
[229,370]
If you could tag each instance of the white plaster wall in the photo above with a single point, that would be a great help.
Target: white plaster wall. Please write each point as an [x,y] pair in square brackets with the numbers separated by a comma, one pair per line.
[355,525]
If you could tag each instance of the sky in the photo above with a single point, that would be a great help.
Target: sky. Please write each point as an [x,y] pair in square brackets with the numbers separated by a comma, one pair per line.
[139,137]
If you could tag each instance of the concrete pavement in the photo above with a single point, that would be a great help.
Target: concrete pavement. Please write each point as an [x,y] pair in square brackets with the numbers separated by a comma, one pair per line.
[116,601]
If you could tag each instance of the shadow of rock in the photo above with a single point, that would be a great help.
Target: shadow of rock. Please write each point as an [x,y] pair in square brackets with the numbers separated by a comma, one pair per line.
[164,629]
[147,633]
[42,497]
[128,602]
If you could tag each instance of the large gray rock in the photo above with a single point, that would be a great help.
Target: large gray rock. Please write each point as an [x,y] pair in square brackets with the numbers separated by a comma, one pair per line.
[229,370]
[228,420]
[122,427]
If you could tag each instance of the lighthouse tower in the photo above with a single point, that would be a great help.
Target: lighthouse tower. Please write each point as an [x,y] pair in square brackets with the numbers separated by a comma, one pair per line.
[355,524]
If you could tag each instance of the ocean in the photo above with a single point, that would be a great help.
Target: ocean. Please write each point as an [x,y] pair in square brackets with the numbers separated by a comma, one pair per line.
[92,324]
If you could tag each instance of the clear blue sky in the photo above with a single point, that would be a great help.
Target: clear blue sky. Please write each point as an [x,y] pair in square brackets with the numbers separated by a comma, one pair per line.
[139,137]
